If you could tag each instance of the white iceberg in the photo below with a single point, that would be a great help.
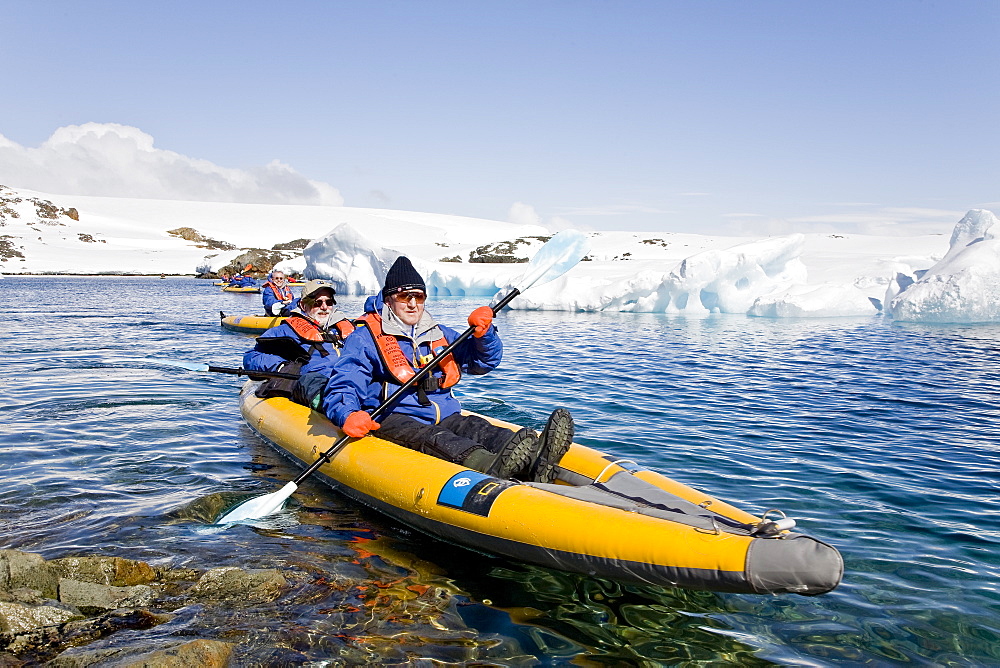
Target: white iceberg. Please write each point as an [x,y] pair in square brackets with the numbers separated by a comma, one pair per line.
[964,287]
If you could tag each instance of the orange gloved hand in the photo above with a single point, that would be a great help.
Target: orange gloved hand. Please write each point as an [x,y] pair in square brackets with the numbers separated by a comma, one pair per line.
[359,423]
[481,319]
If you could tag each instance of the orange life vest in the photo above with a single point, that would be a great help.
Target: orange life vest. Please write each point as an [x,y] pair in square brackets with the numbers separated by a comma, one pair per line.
[397,363]
[310,331]
[283,294]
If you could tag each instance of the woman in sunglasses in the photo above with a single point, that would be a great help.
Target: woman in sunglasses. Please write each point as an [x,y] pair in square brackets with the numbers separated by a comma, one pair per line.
[399,338]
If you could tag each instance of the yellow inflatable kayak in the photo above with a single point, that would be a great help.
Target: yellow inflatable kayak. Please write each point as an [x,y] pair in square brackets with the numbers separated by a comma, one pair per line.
[249,324]
[235,288]
[603,516]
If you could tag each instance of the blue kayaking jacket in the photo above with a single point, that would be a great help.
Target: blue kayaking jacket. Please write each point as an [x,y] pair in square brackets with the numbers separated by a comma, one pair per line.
[360,380]
[256,359]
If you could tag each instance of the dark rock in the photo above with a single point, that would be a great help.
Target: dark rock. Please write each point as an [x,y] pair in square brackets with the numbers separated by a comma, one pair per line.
[298,244]
[504,251]
[262,261]
[191,234]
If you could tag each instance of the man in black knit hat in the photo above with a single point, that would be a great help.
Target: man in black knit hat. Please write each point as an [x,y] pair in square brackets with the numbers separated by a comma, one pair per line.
[396,338]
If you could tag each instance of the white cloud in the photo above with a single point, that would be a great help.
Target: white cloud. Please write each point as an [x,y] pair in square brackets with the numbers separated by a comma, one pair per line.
[523,214]
[112,160]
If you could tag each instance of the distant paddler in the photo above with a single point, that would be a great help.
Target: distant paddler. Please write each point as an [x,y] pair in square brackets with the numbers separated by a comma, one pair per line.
[277,295]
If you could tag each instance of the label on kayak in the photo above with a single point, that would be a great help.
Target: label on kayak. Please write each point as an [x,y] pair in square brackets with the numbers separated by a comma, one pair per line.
[472,492]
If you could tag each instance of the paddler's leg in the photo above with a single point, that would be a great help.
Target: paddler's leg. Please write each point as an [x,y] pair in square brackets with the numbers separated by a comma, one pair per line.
[555,441]
[512,458]
[510,446]
[439,441]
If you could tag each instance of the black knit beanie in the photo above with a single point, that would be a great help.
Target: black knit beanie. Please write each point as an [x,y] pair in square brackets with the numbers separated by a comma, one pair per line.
[402,277]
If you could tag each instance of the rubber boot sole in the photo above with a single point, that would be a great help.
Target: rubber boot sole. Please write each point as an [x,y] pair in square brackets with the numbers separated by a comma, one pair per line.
[555,441]
[515,456]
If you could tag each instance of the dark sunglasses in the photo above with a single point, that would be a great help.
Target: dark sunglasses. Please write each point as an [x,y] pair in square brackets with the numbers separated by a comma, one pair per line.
[323,301]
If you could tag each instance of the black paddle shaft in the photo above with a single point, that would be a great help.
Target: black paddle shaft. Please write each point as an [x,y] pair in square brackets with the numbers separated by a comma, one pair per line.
[248,372]
[388,403]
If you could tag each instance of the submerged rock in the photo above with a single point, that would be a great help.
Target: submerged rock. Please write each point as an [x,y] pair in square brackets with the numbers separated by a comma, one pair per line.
[93,597]
[19,618]
[232,584]
[201,652]
[113,571]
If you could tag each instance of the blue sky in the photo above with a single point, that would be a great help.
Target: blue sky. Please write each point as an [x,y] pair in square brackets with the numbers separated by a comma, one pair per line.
[665,116]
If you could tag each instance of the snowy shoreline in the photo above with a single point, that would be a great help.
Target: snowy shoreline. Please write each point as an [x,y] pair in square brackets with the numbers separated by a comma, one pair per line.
[925,278]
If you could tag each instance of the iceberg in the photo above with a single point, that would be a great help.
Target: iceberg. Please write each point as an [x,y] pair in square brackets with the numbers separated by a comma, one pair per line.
[963,287]
[759,278]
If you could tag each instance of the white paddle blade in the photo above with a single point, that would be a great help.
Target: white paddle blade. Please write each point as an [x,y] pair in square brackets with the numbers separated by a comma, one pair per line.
[260,506]
[559,254]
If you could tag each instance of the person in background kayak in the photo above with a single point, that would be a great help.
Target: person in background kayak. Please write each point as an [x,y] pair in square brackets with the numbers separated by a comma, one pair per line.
[277,296]
[395,338]
[312,334]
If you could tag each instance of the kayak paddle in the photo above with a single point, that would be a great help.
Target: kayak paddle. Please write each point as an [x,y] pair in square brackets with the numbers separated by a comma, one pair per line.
[198,366]
[559,254]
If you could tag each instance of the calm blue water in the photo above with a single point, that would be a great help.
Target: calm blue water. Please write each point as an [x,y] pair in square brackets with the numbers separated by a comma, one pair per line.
[881,439]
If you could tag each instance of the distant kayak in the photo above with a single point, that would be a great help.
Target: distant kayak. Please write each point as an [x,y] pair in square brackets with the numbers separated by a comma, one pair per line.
[604,516]
[249,324]
[234,288]
[296,284]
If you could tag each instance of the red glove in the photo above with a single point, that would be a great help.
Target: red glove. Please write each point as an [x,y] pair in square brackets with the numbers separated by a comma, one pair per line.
[481,319]
[359,423]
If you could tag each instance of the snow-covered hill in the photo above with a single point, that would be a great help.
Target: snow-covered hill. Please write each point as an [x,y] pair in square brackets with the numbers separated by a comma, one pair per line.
[914,278]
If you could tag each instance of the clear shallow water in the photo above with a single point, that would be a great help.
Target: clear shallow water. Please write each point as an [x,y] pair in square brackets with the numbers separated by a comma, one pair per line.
[881,439]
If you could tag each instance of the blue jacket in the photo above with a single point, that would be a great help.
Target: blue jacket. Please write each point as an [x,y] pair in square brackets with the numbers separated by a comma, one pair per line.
[269,298]
[360,381]
[256,359]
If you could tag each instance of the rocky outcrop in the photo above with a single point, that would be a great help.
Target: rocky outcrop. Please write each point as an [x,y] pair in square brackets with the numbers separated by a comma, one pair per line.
[191,234]
[505,251]
[297,244]
[47,607]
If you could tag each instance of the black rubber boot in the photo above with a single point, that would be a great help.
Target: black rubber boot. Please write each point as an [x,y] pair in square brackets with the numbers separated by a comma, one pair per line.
[514,457]
[553,444]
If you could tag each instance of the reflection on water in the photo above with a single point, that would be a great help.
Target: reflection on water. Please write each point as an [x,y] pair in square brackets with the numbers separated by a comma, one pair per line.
[879,438]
